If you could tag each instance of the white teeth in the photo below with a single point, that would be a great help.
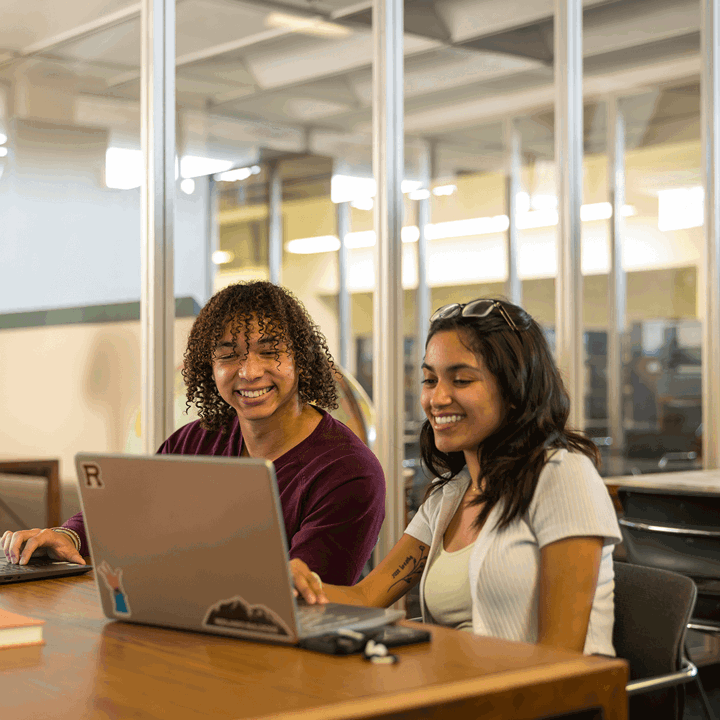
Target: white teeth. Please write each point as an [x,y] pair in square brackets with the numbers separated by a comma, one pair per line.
[445,419]
[253,393]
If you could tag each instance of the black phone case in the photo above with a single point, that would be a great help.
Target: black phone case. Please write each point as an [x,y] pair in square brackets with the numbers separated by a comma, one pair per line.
[390,636]
[395,635]
[334,644]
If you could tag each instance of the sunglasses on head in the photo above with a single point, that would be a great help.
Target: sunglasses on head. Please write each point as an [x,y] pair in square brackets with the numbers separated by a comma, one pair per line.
[475,308]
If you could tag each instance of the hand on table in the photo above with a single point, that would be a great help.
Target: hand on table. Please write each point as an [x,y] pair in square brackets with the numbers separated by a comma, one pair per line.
[307,583]
[21,545]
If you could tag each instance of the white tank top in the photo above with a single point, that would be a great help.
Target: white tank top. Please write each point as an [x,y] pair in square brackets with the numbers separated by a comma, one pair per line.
[447,589]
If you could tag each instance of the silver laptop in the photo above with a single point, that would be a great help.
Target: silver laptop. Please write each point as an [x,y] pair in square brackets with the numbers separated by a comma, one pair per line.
[198,543]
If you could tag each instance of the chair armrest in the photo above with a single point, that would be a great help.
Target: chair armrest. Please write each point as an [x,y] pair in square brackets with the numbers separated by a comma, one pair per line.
[704,626]
[668,529]
[688,672]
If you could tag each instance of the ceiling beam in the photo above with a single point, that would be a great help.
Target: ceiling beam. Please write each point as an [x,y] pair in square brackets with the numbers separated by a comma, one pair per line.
[132,12]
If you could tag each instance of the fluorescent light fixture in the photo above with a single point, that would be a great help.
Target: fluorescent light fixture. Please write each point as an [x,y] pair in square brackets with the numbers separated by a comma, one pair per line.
[3,138]
[307,25]
[465,228]
[421,194]
[538,219]
[238,174]
[522,202]
[407,186]
[363,203]
[596,211]
[348,188]
[365,238]
[454,228]
[309,245]
[223,257]
[542,201]
[353,189]
[124,168]
[681,208]
[187,186]
[192,166]
[444,190]
[410,234]
[3,152]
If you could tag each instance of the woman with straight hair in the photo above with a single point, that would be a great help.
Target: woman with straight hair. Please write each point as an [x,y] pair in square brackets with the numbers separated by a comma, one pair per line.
[515,536]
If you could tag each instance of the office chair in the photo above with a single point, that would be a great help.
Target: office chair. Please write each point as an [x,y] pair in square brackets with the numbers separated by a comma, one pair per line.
[652,609]
[679,532]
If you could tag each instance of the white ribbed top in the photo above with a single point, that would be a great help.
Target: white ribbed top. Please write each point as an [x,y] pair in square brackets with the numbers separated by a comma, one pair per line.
[570,501]
[447,589]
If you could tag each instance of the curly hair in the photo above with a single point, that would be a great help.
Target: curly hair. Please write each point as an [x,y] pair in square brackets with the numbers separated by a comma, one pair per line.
[279,314]
[536,404]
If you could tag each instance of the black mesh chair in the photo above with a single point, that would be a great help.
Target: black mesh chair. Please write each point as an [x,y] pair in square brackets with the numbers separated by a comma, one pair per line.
[652,609]
[677,531]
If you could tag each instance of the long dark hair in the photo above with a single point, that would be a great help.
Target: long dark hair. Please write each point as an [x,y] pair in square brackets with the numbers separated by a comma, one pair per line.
[536,405]
[278,312]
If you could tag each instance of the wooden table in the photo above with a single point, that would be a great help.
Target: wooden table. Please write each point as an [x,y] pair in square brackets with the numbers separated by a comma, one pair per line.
[48,469]
[691,481]
[92,668]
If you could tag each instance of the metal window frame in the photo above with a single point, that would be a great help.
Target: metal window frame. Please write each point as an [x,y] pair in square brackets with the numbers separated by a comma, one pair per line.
[157,302]
[388,350]
[569,173]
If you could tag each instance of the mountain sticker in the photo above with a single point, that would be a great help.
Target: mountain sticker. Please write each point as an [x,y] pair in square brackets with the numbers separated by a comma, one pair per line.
[235,614]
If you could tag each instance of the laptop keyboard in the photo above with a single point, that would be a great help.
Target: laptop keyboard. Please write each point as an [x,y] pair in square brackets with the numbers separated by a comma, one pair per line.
[326,617]
[7,568]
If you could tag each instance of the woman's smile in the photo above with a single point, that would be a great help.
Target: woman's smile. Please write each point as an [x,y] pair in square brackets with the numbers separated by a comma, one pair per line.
[460,396]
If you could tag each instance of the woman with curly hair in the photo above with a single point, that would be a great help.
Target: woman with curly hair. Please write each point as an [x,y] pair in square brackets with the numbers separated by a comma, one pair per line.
[260,374]
[515,536]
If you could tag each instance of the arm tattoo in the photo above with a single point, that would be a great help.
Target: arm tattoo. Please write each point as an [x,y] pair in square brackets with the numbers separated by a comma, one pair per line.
[412,566]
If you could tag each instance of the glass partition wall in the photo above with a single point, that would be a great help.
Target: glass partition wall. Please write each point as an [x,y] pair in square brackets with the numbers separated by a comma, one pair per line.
[275,179]
[70,172]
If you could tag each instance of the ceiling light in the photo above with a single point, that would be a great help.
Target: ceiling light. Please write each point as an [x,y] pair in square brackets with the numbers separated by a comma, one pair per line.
[681,208]
[362,203]
[223,257]
[187,186]
[419,194]
[124,168]
[407,186]
[349,188]
[307,246]
[3,138]
[307,25]
[3,152]
[365,238]
[195,166]
[466,228]
[444,190]
[238,174]
[542,201]
[454,228]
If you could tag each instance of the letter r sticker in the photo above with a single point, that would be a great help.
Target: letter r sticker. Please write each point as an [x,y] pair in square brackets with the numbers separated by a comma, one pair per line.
[92,475]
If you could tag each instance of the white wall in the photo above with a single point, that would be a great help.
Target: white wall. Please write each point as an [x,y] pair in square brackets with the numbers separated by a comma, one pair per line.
[66,240]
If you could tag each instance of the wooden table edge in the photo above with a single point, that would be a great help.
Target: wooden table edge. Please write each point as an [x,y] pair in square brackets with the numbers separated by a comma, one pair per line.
[484,687]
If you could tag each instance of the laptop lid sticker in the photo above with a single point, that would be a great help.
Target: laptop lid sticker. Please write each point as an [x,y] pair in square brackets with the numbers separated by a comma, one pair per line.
[91,475]
[113,582]
[237,614]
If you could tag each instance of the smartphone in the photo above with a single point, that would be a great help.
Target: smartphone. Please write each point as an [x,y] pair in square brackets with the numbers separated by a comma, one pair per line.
[395,635]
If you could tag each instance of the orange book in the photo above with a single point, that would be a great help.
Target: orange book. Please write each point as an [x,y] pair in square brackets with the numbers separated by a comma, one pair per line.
[18,630]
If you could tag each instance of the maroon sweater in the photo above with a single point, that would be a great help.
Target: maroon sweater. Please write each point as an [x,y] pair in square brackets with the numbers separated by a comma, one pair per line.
[332,492]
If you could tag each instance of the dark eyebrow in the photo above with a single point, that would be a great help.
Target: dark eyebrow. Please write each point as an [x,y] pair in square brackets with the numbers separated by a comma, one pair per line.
[273,340]
[226,344]
[451,368]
